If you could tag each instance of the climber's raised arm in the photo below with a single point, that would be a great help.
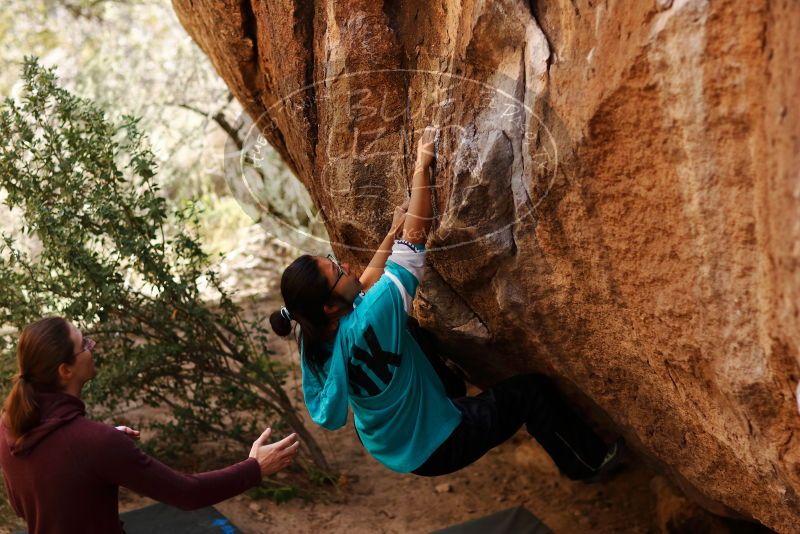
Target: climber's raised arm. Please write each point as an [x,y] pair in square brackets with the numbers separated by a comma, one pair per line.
[419,215]
[412,220]
[374,270]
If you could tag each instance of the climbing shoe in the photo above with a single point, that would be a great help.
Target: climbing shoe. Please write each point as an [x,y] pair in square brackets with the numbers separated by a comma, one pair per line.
[611,463]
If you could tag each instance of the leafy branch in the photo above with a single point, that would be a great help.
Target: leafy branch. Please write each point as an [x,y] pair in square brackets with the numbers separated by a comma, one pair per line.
[99,245]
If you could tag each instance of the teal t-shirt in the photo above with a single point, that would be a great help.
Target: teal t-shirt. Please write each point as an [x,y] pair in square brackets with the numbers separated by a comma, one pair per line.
[377,368]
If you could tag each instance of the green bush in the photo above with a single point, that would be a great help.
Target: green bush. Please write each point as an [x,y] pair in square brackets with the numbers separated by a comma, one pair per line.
[98,245]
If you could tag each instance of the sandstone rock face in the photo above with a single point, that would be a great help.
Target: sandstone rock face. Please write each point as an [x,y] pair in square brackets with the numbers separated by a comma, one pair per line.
[617,198]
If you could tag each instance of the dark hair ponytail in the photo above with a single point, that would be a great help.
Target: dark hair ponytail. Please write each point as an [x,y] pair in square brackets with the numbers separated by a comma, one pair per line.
[304,289]
[280,324]
[42,347]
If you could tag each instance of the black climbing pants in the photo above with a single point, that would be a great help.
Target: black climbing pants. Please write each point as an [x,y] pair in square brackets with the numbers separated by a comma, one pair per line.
[495,415]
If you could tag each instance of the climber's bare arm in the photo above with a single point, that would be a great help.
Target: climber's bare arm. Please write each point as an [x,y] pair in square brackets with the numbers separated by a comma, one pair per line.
[412,220]
[375,268]
[419,216]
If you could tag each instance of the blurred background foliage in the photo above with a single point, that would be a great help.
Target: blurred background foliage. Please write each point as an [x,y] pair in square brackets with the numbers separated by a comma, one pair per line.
[132,57]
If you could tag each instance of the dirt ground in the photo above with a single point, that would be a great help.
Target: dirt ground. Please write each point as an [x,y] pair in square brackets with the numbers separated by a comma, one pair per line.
[517,473]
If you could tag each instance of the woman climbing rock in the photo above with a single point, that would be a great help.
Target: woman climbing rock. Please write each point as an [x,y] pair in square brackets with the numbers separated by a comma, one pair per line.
[411,413]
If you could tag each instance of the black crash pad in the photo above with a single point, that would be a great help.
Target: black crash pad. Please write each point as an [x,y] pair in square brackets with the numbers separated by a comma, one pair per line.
[162,519]
[515,520]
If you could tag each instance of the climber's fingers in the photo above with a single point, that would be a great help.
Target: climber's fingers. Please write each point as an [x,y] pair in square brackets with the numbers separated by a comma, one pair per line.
[425,143]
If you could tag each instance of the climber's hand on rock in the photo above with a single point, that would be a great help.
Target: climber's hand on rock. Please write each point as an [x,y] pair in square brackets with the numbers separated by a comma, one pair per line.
[397,223]
[425,153]
[398,219]
[399,213]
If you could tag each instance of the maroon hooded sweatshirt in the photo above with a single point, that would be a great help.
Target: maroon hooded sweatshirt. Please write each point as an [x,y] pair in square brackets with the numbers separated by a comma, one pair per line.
[63,476]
